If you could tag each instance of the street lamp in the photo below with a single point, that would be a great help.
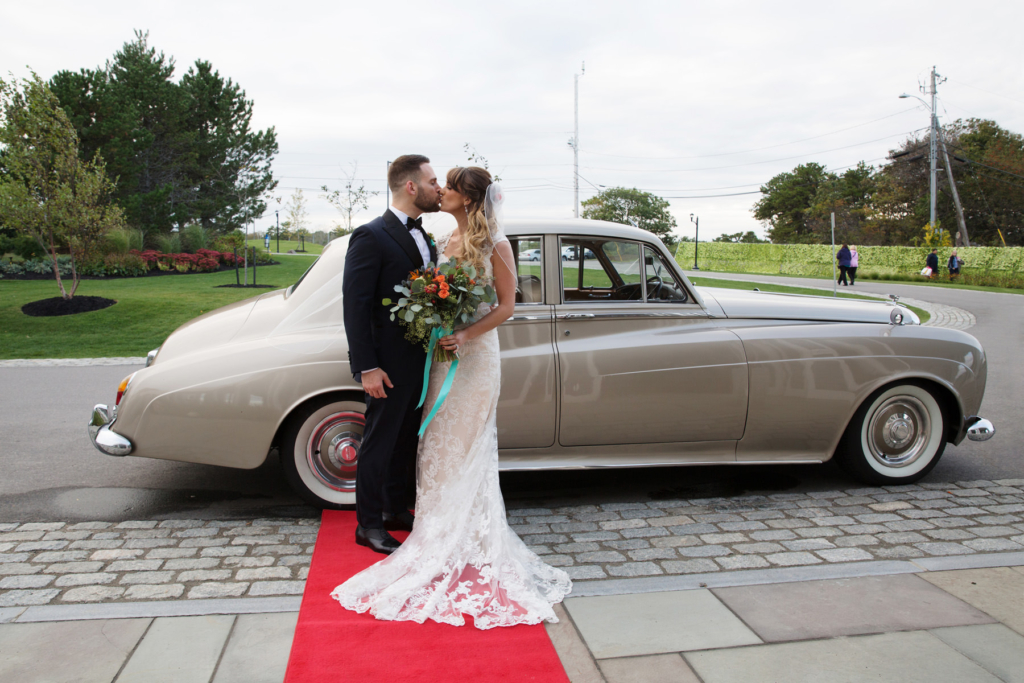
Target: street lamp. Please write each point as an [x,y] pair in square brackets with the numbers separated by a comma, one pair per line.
[696,240]
[933,135]
[278,217]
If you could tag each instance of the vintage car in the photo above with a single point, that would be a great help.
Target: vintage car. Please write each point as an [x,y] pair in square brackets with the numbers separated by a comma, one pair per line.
[611,361]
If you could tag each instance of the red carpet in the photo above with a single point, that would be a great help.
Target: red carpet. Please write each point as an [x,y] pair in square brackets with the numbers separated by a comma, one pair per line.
[333,644]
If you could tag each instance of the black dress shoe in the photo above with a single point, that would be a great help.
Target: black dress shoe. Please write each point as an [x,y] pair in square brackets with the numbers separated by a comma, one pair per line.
[401,521]
[377,540]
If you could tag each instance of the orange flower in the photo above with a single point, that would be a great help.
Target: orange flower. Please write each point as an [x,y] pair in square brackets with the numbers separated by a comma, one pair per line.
[439,278]
[443,293]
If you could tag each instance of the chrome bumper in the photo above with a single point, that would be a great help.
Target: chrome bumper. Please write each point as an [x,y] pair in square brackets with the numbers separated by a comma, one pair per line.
[105,440]
[979,429]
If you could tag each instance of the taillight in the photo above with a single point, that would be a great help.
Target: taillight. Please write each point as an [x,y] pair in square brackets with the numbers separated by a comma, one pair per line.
[123,387]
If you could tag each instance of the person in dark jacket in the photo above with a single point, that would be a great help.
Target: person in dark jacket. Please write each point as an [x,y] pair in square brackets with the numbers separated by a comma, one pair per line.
[843,257]
[953,265]
[932,261]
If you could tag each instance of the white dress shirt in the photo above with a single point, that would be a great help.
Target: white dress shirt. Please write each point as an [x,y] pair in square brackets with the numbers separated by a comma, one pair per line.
[417,236]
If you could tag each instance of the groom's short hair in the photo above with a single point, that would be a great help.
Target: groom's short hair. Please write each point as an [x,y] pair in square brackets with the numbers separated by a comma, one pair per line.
[404,169]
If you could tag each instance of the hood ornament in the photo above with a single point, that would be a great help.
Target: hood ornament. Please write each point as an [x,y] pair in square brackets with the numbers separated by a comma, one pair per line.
[895,297]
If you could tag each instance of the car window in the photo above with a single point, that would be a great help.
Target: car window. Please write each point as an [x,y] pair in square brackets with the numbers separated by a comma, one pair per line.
[662,284]
[608,271]
[529,270]
[298,282]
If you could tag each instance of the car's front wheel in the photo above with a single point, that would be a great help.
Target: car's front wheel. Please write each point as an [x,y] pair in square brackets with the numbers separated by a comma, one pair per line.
[319,451]
[896,437]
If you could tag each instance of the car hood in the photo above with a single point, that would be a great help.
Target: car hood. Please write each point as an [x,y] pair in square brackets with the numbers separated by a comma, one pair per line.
[738,303]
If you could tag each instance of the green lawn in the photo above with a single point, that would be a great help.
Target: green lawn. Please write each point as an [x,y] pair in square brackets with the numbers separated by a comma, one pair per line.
[148,309]
[286,245]
[749,286]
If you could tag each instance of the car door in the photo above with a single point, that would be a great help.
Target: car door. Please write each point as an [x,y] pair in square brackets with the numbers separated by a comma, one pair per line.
[527,404]
[640,361]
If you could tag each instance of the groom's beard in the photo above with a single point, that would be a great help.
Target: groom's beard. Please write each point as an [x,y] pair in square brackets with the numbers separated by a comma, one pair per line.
[426,205]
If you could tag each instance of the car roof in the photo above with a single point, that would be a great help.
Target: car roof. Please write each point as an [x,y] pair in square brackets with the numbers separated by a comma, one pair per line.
[577,226]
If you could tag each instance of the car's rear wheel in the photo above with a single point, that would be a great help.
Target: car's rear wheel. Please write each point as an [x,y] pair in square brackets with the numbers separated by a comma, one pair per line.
[320,451]
[896,437]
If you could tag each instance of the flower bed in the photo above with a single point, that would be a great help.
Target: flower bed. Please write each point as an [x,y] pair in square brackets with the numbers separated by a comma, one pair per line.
[133,264]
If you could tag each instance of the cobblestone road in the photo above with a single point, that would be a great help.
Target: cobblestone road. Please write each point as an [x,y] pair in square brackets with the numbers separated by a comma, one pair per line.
[56,563]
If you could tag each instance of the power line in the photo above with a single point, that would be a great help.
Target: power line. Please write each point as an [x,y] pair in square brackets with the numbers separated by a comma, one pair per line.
[751,163]
[758,149]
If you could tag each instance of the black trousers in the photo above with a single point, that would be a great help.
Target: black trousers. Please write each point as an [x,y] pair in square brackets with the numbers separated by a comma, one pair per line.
[842,274]
[386,475]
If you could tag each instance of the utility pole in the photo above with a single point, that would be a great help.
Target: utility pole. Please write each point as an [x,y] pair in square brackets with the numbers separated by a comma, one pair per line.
[835,282]
[932,153]
[575,141]
[277,216]
[956,197]
[933,140]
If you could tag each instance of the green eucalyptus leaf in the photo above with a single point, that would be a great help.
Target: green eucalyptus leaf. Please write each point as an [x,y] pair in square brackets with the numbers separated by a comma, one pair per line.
[409,316]
[416,308]
[387,302]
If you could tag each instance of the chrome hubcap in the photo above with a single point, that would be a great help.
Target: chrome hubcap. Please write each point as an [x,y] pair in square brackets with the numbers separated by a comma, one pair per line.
[898,431]
[332,451]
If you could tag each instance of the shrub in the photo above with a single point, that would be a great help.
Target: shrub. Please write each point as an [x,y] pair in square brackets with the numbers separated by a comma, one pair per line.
[228,258]
[122,241]
[12,258]
[168,244]
[193,238]
[184,262]
[229,241]
[22,245]
[206,264]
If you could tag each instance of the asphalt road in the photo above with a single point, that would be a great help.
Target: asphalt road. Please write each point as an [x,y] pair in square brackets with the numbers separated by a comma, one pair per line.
[52,473]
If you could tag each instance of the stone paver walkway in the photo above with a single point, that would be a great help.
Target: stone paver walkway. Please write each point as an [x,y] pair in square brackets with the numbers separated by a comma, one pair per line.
[101,562]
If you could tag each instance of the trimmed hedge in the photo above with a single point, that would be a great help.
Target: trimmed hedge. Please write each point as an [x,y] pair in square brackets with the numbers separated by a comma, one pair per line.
[816,259]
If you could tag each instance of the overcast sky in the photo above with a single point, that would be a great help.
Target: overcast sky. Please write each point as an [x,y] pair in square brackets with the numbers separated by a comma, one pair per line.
[682,99]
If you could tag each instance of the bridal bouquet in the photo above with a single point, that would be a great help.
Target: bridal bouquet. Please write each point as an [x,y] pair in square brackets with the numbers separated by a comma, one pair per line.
[436,298]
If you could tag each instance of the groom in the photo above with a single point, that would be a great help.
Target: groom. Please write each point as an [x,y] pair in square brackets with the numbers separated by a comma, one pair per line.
[380,255]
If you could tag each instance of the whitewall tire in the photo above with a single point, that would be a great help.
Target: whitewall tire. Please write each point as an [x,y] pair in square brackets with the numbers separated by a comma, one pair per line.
[896,437]
[320,451]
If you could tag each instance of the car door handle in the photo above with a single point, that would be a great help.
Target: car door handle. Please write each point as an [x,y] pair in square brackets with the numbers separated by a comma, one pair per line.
[570,316]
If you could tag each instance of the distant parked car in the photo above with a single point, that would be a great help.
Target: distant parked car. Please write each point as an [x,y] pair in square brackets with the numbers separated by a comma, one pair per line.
[616,362]
[569,253]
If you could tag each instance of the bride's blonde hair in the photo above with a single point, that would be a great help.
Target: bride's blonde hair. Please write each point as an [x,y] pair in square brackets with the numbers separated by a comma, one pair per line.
[472,183]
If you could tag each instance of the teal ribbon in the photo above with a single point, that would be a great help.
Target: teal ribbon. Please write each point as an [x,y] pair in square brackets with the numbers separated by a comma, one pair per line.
[435,335]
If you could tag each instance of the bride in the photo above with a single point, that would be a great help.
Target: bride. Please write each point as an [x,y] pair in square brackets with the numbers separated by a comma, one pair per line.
[461,557]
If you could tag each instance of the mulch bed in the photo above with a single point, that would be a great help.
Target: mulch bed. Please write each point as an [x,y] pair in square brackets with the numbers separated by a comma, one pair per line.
[61,306]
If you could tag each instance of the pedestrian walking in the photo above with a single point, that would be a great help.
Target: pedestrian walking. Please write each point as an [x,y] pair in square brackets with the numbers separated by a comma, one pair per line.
[931,264]
[852,270]
[844,263]
[953,265]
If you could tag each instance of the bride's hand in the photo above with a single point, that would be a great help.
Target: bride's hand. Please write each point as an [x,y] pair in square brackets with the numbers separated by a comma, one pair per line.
[453,342]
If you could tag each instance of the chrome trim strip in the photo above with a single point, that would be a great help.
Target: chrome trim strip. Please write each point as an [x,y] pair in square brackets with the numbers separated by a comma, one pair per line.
[527,468]
[682,315]
[530,317]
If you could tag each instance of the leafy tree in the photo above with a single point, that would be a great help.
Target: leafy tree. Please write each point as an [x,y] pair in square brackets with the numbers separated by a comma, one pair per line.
[748,237]
[349,201]
[633,207]
[181,152]
[46,190]
[295,210]
[787,202]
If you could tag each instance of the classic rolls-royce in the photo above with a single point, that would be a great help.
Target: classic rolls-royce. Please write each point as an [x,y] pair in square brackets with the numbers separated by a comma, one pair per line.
[615,360]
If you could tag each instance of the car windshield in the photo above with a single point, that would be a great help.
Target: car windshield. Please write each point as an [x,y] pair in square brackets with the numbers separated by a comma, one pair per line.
[291,290]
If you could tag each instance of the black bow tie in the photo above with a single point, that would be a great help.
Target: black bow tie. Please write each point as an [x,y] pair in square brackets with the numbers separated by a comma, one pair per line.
[414,224]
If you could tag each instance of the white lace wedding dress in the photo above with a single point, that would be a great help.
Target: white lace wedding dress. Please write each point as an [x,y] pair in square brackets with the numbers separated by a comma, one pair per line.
[461,557]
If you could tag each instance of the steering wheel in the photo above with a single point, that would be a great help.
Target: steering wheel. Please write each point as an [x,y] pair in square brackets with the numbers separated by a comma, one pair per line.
[658,284]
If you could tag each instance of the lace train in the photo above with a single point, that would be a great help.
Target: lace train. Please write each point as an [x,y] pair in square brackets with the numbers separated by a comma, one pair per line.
[461,557]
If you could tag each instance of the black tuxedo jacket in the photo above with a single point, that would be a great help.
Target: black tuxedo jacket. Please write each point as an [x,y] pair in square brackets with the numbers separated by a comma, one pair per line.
[380,255]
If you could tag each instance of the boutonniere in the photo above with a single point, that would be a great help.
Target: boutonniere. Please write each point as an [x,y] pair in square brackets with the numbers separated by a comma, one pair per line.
[430,237]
